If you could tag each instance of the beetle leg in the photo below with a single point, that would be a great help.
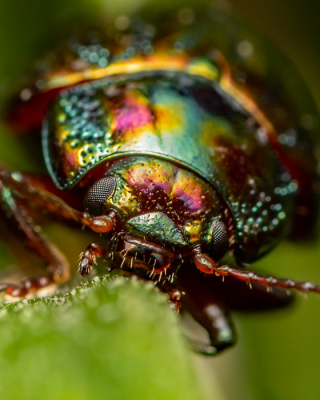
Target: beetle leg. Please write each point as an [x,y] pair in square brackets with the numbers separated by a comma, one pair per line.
[25,188]
[216,320]
[267,280]
[89,256]
[175,297]
[58,267]
[208,309]
[27,286]
[205,264]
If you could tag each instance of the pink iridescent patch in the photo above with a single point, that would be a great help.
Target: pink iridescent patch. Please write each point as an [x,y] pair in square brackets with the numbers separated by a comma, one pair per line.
[193,202]
[132,116]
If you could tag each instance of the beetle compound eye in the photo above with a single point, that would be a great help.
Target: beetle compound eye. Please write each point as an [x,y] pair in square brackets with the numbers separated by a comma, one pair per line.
[220,240]
[97,195]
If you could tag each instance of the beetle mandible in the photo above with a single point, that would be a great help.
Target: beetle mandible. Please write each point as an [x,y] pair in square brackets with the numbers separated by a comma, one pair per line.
[179,136]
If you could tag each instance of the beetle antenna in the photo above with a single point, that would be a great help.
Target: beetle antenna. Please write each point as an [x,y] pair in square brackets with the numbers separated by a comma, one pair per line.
[205,264]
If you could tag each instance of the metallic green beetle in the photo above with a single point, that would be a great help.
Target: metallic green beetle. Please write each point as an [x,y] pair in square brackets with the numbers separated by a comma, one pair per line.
[187,141]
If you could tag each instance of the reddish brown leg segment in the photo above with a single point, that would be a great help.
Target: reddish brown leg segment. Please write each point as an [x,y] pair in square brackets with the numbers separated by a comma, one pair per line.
[27,285]
[89,256]
[205,264]
[266,280]
[208,309]
[23,187]
[175,297]
[17,189]
[58,266]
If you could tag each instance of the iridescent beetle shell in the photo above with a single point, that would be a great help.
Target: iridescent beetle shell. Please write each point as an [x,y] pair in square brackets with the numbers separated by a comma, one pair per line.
[192,90]
[176,118]
[200,94]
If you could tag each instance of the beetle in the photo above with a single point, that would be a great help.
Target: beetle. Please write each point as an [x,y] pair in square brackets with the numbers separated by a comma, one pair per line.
[182,144]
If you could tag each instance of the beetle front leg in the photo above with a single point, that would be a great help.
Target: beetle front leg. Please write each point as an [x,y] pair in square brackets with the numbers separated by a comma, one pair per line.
[216,320]
[208,309]
[31,191]
[58,267]
[28,285]
[89,256]
[205,264]
[267,280]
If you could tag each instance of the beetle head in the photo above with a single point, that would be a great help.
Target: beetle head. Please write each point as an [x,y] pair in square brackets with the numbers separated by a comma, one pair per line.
[162,204]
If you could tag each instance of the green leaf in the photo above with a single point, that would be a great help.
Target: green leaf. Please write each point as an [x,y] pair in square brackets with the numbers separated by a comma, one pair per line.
[105,339]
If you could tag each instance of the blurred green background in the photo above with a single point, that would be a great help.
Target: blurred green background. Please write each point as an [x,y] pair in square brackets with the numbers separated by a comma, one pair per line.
[278,354]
